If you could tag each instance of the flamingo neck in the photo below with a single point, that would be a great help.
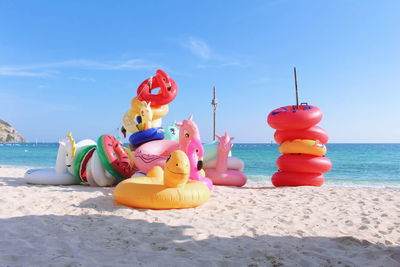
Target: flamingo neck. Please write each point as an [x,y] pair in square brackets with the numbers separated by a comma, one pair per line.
[222,160]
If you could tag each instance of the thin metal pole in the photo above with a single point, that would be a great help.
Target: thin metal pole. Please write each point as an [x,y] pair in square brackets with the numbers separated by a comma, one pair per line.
[214,103]
[297,92]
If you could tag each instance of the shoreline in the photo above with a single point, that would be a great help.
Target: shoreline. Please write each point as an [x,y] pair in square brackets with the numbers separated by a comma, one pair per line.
[328,183]
[256,225]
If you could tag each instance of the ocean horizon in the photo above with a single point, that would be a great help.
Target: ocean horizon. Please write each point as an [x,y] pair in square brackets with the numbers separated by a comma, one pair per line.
[353,164]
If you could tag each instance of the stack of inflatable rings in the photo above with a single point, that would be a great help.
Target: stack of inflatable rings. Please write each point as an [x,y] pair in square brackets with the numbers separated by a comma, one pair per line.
[159,105]
[302,144]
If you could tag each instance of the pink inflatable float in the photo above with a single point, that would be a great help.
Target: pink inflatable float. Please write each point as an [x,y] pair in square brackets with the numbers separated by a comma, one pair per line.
[221,174]
[195,153]
[187,131]
[154,153]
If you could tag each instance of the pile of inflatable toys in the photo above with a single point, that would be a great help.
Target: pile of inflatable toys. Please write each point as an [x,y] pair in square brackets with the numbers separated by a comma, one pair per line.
[163,168]
[302,144]
[102,163]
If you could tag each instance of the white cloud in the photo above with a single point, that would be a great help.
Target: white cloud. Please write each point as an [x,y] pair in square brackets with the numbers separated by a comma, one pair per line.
[198,47]
[12,71]
[45,69]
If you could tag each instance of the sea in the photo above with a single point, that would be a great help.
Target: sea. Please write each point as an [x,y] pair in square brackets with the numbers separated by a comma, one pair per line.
[353,165]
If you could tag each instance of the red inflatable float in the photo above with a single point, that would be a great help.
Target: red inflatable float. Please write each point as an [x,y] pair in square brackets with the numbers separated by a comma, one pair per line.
[167,93]
[303,163]
[297,179]
[312,133]
[293,118]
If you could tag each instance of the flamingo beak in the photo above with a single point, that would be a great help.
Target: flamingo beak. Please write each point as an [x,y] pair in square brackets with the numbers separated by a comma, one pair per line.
[199,165]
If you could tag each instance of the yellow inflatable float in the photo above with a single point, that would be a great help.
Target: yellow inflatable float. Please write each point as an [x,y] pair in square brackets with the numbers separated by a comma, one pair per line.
[129,120]
[164,189]
[303,146]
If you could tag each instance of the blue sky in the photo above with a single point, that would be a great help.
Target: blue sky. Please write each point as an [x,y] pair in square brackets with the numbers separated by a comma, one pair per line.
[75,65]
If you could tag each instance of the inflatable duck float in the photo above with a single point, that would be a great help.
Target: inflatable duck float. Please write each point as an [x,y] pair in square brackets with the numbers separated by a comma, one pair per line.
[168,188]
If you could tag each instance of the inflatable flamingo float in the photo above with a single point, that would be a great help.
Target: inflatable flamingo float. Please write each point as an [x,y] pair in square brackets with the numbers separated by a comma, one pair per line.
[155,153]
[227,171]
[195,153]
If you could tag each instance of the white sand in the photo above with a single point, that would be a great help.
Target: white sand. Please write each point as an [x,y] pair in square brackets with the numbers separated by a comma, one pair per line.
[251,226]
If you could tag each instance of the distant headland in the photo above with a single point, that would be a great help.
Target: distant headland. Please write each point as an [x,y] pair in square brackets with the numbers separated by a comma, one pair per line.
[9,135]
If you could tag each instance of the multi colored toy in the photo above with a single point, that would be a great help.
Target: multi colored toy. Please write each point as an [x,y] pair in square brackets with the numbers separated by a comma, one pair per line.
[226,170]
[170,188]
[171,132]
[302,144]
[195,153]
[62,174]
[101,164]
[168,90]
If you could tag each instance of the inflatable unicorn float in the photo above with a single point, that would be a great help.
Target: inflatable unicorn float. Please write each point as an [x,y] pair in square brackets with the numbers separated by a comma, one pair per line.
[101,163]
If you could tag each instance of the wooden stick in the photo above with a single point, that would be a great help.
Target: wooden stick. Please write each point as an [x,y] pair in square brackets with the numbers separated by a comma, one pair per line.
[297,92]
[214,102]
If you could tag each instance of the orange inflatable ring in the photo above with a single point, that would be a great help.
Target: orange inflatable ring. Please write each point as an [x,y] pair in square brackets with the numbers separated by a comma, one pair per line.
[303,146]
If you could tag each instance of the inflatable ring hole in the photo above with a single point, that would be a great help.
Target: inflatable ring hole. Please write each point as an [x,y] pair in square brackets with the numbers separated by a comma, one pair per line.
[155,91]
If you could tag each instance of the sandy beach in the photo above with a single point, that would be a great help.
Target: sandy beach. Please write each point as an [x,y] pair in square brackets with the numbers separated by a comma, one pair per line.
[256,225]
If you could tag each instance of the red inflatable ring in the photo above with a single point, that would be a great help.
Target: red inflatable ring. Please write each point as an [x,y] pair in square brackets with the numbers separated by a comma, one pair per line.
[81,160]
[167,93]
[297,179]
[114,158]
[312,133]
[303,163]
[291,118]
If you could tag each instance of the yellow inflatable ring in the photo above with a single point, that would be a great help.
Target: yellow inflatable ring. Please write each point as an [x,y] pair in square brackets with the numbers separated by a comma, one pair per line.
[303,146]
[164,189]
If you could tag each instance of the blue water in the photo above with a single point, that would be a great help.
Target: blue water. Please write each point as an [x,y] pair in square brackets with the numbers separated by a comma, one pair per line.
[376,165]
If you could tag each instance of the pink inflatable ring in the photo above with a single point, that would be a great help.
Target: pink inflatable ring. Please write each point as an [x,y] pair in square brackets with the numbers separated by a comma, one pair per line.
[293,118]
[154,153]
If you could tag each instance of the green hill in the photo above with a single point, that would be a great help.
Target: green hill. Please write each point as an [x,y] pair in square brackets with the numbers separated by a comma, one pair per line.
[8,134]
